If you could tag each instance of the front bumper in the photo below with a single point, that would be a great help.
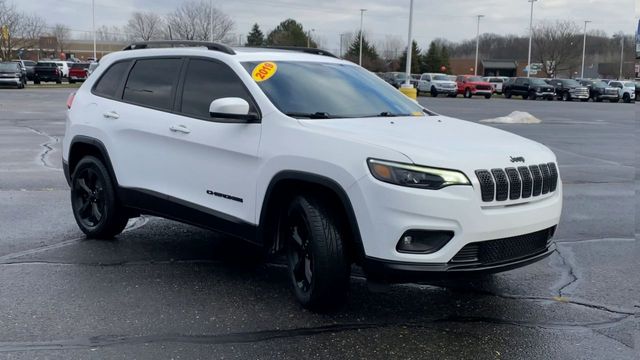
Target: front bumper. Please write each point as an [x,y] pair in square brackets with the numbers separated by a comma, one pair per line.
[10,81]
[579,95]
[385,212]
[545,94]
[447,90]
[481,92]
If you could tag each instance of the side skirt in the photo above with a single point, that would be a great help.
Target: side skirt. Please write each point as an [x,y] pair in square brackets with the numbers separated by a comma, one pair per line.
[153,203]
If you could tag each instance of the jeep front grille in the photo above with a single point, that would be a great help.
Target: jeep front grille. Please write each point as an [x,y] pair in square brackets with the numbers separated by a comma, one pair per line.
[513,184]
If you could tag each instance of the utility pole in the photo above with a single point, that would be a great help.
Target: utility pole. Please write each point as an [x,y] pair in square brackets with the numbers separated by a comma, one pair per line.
[309,37]
[93,27]
[621,54]
[530,38]
[475,69]
[584,47]
[341,35]
[361,21]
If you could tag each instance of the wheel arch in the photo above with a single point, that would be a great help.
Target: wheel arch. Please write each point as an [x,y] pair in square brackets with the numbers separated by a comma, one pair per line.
[286,184]
[82,146]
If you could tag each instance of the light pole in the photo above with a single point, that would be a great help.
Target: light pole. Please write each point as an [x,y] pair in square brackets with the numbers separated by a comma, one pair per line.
[211,20]
[475,69]
[361,20]
[530,38]
[407,81]
[341,35]
[309,37]
[93,27]
[621,54]
[584,46]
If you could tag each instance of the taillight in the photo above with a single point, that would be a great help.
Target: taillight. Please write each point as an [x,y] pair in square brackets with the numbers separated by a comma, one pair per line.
[70,100]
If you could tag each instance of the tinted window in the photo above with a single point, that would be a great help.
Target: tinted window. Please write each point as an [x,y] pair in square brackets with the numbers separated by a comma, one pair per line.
[80,66]
[206,81]
[9,67]
[112,78]
[519,81]
[151,82]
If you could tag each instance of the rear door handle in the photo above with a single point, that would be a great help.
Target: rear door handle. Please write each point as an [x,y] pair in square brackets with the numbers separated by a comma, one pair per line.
[180,128]
[111,115]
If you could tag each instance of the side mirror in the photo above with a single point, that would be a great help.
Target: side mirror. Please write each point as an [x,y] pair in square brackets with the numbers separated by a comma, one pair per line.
[231,108]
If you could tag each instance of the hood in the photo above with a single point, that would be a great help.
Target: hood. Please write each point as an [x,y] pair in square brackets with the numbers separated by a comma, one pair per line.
[444,82]
[439,141]
[478,83]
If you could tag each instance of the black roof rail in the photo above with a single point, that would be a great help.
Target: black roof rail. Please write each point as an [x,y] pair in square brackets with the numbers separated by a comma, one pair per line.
[304,50]
[180,43]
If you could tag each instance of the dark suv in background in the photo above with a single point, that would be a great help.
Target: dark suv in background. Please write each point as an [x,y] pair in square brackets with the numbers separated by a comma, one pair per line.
[528,88]
[599,90]
[569,89]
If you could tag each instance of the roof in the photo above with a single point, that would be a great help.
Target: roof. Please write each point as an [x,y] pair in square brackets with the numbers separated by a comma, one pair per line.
[499,64]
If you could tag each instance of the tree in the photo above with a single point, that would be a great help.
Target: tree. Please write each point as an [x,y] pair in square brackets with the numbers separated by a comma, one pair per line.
[22,30]
[290,33]
[444,60]
[433,58]
[391,47]
[192,21]
[62,35]
[255,37]
[370,58]
[416,58]
[555,46]
[144,26]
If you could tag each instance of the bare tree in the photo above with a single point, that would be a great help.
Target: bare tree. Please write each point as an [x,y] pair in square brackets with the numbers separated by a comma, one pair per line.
[391,47]
[62,35]
[192,21]
[555,45]
[145,26]
[22,30]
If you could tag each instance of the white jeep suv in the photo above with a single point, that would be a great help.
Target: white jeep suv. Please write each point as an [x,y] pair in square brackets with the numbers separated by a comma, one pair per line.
[306,155]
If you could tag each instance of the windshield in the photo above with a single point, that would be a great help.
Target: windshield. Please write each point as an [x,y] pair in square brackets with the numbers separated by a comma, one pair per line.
[9,67]
[80,66]
[441,77]
[475,78]
[329,90]
[538,82]
[400,76]
[628,84]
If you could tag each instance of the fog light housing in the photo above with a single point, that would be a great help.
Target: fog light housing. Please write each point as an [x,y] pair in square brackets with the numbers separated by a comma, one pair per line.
[423,241]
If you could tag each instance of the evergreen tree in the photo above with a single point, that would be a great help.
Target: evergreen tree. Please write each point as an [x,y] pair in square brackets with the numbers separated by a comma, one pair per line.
[289,33]
[432,59]
[370,57]
[416,59]
[444,59]
[255,37]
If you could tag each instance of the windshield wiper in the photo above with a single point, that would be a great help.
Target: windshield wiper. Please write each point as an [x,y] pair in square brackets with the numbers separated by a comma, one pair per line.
[315,115]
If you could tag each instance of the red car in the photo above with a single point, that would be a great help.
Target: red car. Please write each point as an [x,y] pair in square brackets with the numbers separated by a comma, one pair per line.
[470,85]
[78,72]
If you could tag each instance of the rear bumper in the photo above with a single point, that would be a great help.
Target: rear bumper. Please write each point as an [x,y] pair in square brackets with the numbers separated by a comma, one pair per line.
[402,272]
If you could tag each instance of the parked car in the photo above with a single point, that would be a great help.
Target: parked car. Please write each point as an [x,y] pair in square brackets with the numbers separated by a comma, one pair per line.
[397,79]
[62,65]
[47,71]
[470,85]
[626,89]
[213,138]
[94,65]
[78,72]
[637,89]
[569,89]
[11,74]
[497,82]
[599,90]
[436,84]
[28,66]
[528,88]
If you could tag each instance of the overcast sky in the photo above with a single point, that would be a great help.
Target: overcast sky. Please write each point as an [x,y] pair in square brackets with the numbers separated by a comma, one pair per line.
[451,19]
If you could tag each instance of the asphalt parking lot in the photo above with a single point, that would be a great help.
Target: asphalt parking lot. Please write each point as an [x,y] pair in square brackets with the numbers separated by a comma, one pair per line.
[167,290]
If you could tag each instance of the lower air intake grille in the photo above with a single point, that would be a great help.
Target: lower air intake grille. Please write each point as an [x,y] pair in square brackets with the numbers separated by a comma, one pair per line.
[504,250]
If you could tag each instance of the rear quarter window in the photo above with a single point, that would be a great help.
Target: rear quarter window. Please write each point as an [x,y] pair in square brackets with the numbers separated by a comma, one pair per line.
[110,81]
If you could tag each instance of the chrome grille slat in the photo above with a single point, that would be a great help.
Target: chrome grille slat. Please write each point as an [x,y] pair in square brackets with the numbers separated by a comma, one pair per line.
[517,183]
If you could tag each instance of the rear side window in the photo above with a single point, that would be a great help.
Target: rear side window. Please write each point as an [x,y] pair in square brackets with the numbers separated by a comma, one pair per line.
[111,79]
[151,82]
[206,81]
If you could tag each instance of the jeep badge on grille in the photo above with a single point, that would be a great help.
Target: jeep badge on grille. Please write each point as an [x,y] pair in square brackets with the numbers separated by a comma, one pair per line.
[517,159]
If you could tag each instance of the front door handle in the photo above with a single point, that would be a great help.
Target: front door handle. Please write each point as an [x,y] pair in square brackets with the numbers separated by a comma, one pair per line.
[111,115]
[180,128]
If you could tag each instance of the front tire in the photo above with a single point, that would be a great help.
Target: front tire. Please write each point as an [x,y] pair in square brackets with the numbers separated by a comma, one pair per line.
[95,206]
[626,98]
[434,92]
[318,266]
[467,93]
[507,94]
[566,97]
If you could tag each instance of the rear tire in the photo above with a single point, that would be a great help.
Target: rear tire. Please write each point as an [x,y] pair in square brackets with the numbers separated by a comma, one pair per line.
[532,96]
[318,266]
[95,206]
[507,94]
[488,96]
[566,97]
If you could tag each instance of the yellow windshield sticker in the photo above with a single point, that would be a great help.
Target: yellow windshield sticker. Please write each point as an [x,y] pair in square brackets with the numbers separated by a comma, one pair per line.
[417,113]
[264,71]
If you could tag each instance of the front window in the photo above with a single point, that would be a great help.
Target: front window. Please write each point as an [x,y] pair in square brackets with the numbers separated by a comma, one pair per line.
[538,82]
[475,79]
[571,83]
[328,90]
[9,67]
[441,77]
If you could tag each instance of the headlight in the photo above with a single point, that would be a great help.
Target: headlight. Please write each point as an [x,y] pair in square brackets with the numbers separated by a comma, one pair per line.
[414,175]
